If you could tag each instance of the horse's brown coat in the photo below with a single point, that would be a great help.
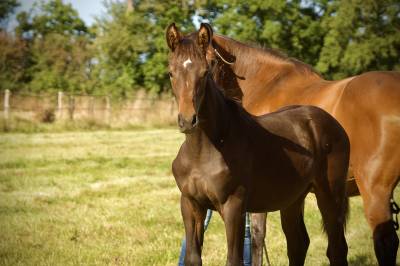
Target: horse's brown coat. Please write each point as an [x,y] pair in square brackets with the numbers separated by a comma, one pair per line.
[367,106]
[234,162]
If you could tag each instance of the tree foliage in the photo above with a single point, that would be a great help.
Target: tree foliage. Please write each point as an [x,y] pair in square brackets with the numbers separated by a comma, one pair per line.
[130,45]
[6,9]
[58,40]
[362,35]
[51,17]
[13,56]
[125,49]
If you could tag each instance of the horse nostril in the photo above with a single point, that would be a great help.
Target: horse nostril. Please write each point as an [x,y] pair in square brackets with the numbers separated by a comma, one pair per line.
[194,120]
[180,121]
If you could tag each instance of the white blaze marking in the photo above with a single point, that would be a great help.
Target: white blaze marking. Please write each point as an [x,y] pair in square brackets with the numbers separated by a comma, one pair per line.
[188,61]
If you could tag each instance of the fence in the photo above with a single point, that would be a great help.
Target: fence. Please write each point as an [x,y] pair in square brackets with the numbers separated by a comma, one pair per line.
[140,109]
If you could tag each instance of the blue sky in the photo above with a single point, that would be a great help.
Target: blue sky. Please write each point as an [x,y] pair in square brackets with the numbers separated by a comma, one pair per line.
[87,9]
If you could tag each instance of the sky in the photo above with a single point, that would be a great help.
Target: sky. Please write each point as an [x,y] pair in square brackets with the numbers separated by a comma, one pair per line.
[87,9]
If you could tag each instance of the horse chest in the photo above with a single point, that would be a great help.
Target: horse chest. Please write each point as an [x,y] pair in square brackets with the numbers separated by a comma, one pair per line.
[204,181]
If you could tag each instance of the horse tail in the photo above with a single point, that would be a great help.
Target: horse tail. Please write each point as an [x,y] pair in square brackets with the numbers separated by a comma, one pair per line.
[342,145]
[332,151]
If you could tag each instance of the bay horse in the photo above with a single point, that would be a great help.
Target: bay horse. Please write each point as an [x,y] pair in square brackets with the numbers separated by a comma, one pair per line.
[233,162]
[367,106]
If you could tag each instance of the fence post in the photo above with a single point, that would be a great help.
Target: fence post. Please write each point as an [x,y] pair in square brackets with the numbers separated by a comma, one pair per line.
[6,105]
[71,107]
[172,106]
[91,107]
[60,105]
[108,110]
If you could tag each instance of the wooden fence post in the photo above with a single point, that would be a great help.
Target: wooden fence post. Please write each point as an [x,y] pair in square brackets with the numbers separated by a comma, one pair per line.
[108,110]
[6,105]
[91,107]
[60,105]
[71,107]
[172,106]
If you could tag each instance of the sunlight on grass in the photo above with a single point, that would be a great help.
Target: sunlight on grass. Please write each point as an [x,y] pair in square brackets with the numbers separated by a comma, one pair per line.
[109,198]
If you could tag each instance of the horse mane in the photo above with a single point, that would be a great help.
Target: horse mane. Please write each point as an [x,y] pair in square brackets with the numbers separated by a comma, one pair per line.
[242,50]
[232,103]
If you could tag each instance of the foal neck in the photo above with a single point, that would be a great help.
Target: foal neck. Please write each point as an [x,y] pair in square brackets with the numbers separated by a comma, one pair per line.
[197,142]
[213,113]
[223,120]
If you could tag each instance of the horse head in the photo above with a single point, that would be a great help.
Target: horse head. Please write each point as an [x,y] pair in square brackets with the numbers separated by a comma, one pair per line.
[189,65]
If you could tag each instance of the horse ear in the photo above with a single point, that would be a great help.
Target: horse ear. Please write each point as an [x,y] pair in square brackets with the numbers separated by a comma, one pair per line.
[205,36]
[173,36]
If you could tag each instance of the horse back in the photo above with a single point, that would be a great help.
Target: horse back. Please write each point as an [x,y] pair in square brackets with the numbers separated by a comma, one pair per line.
[298,143]
[307,125]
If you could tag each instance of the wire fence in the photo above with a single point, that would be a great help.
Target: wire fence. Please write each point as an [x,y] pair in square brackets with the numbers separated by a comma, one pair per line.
[53,107]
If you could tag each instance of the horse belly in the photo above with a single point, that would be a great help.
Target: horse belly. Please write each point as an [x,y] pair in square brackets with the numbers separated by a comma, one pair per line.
[277,192]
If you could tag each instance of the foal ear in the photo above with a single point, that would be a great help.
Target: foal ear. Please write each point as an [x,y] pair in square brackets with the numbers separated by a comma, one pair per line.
[205,36]
[173,36]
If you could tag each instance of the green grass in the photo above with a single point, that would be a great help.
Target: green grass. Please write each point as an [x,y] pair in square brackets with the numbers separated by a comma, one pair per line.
[109,198]
[18,124]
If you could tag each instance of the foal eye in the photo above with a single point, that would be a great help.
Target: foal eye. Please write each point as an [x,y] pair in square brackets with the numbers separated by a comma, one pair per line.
[170,74]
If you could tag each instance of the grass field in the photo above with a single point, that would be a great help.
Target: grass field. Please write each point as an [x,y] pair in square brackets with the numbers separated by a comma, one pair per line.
[108,198]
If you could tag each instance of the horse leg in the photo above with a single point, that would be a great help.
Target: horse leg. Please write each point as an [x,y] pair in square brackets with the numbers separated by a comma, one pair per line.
[293,226]
[258,230]
[193,217]
[233,214]
[379,217]
[330,191]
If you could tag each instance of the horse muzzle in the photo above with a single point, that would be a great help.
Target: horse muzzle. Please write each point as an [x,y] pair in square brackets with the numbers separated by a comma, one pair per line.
[187,125]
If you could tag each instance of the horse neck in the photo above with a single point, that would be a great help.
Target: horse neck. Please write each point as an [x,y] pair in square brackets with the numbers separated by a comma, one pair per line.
[198,143]
[224,121]
[212,113]
[255,69]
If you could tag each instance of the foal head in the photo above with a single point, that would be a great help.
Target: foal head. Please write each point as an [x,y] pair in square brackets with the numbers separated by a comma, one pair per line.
[188,71]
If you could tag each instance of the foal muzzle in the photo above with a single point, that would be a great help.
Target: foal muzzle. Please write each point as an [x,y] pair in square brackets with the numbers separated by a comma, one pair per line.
[187,125]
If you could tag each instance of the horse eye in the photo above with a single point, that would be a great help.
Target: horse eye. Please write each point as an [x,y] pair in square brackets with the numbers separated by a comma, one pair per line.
[170,74]
[205,73]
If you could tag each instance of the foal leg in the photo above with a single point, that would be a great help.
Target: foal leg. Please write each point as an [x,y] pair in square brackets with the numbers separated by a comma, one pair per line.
[258,229]
[233,214]
[193,217]
[293,226]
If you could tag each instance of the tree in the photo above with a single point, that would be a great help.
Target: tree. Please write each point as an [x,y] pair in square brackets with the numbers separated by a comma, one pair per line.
[130,44]
[339,38]
[126,50]
[362,36]
[59,45]
[6,8]
[61,63]
[51,17]
[119,45]
[290,26]
[13,56]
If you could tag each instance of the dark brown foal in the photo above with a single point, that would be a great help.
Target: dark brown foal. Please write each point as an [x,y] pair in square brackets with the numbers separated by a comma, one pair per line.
[234,162]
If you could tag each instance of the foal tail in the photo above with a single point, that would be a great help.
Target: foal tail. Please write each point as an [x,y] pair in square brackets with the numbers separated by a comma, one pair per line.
[337,167]
[333,148]
[341,166]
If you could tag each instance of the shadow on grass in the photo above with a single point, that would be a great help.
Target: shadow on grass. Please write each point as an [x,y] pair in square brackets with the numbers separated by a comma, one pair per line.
[361,260]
